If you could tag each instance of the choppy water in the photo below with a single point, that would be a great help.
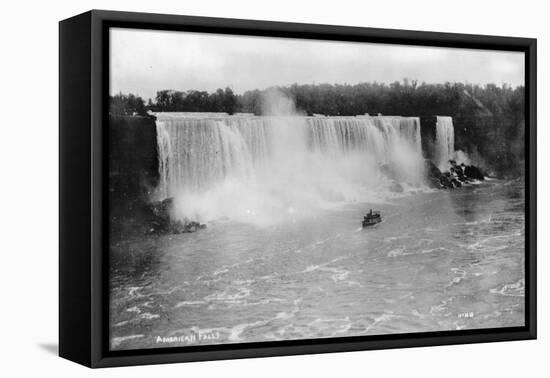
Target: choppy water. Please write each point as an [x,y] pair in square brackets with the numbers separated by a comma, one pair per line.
[445,260]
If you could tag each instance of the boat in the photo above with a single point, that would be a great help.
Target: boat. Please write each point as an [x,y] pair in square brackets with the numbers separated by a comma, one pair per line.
[372,218]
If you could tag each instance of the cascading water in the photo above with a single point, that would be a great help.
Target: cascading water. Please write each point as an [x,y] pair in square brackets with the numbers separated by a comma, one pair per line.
[444,142]
[267,168]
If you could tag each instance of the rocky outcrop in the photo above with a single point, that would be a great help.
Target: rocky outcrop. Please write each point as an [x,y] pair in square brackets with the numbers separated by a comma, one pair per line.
[456,177]
[163,222]
[474,172]
[433,174]
[154,218]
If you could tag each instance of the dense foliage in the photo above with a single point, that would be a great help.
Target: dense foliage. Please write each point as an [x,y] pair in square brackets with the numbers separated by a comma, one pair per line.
[176,101]
[130,104]
[406,98]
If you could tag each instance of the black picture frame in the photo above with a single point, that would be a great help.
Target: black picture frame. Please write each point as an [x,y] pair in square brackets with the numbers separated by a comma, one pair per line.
[83,118]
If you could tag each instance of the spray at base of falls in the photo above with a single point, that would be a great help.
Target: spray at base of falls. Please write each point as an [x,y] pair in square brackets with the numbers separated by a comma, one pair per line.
[268,169]
[444,142]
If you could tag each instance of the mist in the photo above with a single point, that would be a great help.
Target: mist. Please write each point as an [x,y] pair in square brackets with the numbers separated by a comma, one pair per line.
[282,166]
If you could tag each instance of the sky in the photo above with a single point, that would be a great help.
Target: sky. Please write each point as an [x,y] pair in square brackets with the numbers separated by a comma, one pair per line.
[145,61]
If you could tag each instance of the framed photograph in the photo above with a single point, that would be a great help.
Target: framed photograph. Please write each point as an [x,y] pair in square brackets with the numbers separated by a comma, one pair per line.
[235,188]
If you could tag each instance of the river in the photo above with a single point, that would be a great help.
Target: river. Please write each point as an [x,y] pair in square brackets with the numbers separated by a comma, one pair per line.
[440,260]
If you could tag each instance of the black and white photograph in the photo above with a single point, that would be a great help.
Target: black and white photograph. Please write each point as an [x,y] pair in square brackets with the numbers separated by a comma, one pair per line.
[265,189]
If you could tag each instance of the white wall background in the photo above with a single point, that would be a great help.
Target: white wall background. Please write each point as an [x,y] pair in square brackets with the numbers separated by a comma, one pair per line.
[29,186]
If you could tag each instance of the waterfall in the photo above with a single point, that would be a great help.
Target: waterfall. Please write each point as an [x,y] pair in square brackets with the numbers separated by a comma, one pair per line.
[244,165]
[371,134]
[444,142]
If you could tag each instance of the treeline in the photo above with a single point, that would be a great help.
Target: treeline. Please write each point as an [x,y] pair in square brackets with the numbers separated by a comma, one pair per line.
[222,100]
[130,104]
[407,98]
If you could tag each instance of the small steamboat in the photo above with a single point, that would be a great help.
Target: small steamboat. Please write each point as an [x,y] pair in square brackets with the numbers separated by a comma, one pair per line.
[372,218]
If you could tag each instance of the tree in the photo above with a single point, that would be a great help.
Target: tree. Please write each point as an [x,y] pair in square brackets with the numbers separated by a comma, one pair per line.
[229,101]
[130,104]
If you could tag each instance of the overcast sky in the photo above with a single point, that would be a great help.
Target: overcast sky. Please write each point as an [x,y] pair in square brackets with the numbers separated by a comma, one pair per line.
[144,61]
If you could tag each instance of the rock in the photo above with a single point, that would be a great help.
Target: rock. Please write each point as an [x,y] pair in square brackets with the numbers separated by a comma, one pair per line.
[162,221]
[177,227]
[433,174]
[473,172]
[159,216]
[191,227]
[457,176]
[431,168]
[180,227]
[445,181]
[456,170]
[149,218]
